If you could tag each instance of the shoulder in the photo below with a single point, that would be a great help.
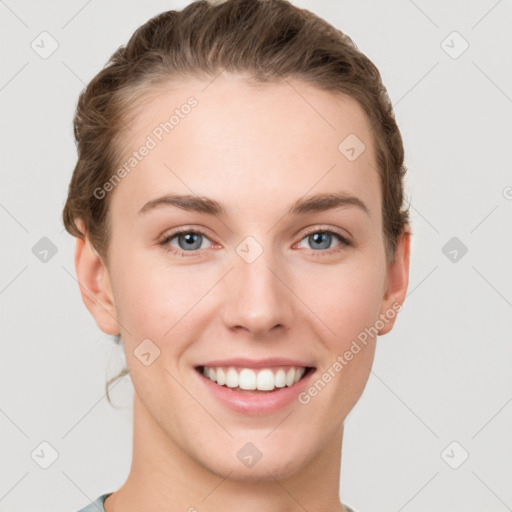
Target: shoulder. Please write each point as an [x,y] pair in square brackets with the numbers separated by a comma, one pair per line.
[347,508]
[97,504]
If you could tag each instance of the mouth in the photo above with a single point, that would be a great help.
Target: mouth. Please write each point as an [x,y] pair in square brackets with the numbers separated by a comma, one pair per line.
[264,380]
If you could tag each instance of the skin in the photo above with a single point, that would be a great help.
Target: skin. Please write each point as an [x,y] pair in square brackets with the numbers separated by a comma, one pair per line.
[256,150]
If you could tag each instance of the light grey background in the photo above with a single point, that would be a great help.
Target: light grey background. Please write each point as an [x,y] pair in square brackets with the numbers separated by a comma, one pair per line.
[443,373]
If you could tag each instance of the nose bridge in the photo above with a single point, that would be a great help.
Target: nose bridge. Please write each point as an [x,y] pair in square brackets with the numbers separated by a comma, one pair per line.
[258,300]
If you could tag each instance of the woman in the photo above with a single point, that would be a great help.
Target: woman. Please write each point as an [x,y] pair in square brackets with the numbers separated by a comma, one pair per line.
[238,209]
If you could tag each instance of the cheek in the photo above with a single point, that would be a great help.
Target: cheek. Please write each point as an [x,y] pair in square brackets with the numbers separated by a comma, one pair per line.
[349,304]
[151,299]
[345,298]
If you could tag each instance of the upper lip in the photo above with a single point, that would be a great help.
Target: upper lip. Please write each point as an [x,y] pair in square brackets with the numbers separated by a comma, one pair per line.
[257,363]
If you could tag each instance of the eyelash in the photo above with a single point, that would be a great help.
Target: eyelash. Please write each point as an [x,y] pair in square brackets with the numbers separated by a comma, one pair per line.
[164,242]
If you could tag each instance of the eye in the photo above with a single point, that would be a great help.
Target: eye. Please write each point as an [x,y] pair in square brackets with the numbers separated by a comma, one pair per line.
[320,239]
[188,241]
[191,241]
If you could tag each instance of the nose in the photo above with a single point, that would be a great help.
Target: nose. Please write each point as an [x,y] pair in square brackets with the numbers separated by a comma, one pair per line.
[257,297]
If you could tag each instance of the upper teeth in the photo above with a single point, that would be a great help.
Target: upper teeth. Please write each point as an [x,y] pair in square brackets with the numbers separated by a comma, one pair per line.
[264,380]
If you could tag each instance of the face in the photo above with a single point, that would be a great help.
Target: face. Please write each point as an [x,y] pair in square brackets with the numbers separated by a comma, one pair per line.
[263,285]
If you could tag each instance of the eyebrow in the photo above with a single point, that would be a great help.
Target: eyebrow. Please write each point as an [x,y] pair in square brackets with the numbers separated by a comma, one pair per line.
[316,203]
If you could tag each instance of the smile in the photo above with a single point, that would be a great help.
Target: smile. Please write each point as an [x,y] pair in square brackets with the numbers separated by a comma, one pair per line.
[255,386]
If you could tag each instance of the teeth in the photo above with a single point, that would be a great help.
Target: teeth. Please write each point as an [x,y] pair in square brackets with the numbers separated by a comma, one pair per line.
[264,379]
[290,377]
[247,379]
[231,378]
[280,379]
[221,376]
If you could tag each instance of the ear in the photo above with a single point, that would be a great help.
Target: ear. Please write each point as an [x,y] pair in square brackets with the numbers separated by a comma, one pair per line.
[94,281]
[397,282]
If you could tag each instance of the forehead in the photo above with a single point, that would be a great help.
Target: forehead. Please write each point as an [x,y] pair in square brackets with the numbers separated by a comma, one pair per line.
[245,144]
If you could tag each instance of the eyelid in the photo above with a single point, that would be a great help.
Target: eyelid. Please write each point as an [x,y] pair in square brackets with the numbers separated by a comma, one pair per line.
[183,229]
[327,229]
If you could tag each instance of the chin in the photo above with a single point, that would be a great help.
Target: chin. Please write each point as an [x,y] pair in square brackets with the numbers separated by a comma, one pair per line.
[276,463]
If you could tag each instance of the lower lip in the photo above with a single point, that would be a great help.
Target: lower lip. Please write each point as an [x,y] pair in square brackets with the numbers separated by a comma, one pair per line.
[256,403]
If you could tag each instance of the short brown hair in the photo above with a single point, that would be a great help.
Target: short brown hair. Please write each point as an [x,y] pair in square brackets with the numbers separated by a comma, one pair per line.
[267,41]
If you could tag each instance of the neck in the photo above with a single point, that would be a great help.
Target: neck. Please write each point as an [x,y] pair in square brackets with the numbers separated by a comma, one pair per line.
[164,477]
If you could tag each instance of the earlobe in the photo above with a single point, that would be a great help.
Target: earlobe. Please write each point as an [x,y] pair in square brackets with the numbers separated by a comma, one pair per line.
[397,282]
[95,288]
